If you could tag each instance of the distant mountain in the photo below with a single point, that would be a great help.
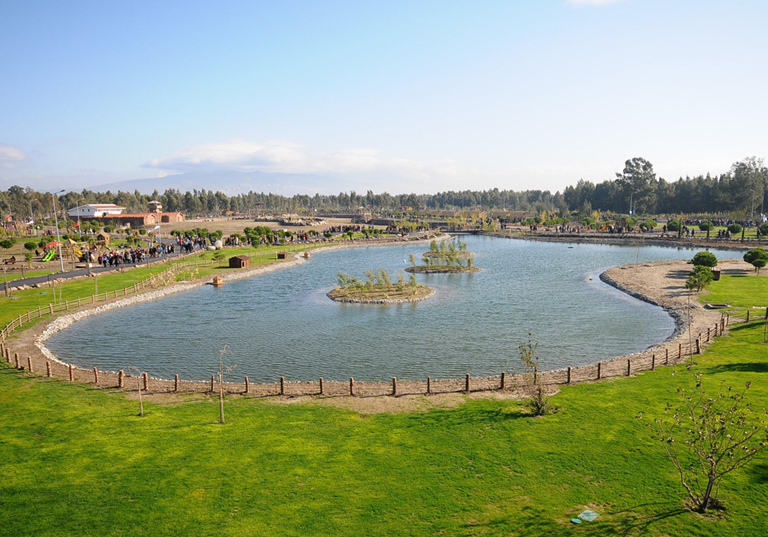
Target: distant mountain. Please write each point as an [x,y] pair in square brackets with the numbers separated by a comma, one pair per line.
[232,183]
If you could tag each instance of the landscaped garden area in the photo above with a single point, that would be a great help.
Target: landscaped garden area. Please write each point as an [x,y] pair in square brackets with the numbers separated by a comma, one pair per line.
[79,461]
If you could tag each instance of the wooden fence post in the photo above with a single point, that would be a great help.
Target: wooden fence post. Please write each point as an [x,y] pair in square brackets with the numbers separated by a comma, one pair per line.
[322,388]
[28,317]
[429,385]
[39,312]
[16,360]
[78,302]
[679,351]
[93,299]
[282,385]
[747,317]
[66,305]
[121,379]
[666,356]
[29,364]
[394,386]
[48,369]
[503,381]
[213,379]
[466,383]
[653,362]
[146,381]
[569,375]
[599,370]
[352,386]
[176,383]
[698,346]
[8,355]
[629,367]
[50,308]
[95,375]
[71,373]
[708,330]
[21,323]
[766,313]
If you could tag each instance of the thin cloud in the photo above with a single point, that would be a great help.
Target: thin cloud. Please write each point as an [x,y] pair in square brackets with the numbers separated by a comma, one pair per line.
[10,156]
[287,157]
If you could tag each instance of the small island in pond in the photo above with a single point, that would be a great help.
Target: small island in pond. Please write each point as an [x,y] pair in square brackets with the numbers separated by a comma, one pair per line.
[378,288]
[451,259]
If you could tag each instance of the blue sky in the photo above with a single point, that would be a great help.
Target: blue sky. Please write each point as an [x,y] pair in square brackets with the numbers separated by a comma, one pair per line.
[415,96]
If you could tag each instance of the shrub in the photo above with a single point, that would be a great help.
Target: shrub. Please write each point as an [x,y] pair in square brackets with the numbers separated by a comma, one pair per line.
[674,225]
[648,225]
[734,229]
[30,245]
[764,229]
[704,259]
[7,243]
[699,278]
[756,257]
[706,226]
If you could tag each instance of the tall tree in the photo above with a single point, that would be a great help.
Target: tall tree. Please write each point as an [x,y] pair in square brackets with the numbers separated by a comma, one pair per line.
[638,181]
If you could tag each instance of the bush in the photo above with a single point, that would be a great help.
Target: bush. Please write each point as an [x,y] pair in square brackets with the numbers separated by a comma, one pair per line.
[699,278]
[734,229]
[706,226]
[648,225]
[756,257]
[7,243]
[764,229]
[108,229]
[30,245]
[674,225]
[704,259]
[42,243]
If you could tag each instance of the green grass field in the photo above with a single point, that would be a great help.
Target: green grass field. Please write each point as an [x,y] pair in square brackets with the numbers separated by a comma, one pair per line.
[79,461]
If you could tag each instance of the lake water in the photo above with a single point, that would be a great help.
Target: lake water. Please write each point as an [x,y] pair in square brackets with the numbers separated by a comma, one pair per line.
[281,323]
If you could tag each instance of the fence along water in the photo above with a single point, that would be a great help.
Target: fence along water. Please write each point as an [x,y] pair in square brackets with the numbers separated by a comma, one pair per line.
[673,353]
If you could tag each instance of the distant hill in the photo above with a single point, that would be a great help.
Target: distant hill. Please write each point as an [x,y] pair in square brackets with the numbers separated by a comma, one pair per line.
[232,183]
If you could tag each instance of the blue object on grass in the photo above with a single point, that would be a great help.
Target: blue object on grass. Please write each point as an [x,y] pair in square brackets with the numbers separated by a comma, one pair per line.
[576,520]
[588,515]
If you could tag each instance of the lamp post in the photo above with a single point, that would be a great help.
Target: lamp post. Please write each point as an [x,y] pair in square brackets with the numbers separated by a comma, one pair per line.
[56,220]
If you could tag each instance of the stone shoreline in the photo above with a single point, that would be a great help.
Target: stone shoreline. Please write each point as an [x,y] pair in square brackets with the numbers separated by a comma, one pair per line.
[659,283]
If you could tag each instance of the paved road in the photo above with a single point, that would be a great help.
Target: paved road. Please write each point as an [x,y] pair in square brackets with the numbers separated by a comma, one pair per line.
[84,271]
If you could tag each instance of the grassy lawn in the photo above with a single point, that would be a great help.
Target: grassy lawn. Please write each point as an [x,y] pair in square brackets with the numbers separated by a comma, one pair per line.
[739,291]
[76,461]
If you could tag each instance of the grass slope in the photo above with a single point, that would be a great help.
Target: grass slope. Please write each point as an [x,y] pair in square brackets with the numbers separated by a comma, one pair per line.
[76,461]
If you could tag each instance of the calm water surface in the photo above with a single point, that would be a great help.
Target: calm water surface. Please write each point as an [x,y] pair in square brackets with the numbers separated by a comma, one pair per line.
[282,323]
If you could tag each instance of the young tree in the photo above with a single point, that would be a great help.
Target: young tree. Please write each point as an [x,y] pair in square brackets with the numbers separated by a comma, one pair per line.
[756,257]
[538,404]
[708,437]
[699,278]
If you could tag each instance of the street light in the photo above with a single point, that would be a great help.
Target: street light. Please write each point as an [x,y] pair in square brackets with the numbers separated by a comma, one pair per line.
[56,220]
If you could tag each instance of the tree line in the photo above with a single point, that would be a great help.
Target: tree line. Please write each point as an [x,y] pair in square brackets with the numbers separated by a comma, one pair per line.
[741,191]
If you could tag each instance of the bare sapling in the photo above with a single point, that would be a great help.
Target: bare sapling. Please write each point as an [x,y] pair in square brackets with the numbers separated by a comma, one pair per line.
[538,403]
[709,436]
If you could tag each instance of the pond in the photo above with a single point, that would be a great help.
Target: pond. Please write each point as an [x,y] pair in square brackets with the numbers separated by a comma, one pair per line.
[282,324]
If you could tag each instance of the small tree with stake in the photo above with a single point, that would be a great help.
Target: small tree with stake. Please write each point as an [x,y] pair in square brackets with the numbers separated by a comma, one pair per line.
[222,352]
[709,437]
[538,404]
